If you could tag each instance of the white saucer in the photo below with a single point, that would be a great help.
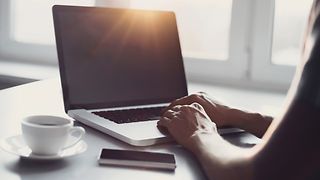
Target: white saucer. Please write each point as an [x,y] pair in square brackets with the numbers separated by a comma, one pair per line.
[16,145]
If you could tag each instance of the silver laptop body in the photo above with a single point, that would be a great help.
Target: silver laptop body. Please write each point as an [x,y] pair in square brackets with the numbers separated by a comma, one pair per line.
[118,59]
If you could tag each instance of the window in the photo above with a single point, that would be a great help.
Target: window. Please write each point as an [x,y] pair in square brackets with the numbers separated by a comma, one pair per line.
[289,26]
[226,41]
[204,25]
[31,21]
[206,30]
[277,36]
[27,30]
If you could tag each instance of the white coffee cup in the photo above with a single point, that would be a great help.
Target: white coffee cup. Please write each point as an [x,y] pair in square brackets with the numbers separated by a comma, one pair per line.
[48,135]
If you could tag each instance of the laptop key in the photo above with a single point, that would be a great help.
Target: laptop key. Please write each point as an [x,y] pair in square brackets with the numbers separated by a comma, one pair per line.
[131,115]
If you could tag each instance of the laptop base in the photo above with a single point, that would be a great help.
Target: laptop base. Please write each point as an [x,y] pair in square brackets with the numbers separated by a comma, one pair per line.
[143,133]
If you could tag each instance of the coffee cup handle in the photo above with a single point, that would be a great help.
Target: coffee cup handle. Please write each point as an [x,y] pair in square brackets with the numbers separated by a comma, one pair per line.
[75,130]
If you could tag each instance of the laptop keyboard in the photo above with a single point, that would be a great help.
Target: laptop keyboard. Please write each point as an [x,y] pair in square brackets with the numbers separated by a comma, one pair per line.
[131,115]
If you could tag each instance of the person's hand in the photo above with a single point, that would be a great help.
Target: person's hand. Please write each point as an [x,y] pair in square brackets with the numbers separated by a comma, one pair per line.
[184,122]
[222,115]
[218,113]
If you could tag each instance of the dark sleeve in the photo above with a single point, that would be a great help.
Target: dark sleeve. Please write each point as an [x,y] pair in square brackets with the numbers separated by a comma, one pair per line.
[309,85]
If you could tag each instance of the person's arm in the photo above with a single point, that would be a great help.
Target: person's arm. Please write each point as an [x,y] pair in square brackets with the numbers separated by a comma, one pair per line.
[291,145]
[222,115]
[254,123]
[290,150]
[221,160]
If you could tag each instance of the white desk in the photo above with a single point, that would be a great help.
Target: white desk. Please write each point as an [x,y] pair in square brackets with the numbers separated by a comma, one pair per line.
[45,97]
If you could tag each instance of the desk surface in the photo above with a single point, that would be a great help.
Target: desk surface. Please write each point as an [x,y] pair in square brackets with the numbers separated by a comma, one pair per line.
[45,97]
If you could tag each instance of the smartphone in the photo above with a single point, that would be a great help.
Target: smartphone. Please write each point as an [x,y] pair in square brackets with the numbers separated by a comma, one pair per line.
[137,159]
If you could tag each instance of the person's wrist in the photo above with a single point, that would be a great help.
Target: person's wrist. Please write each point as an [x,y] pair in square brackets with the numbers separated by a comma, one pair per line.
[199,142]
[254,123]
[237,118]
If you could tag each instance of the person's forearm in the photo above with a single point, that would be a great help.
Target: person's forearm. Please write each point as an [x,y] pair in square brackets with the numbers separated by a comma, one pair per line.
[221,160]
[254,123]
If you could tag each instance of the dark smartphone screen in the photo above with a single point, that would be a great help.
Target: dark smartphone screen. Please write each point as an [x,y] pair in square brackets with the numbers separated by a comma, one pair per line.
[137,156]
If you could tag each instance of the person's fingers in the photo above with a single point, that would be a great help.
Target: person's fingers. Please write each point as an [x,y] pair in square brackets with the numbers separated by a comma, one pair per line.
[169,114]
[197,106]
[176,108]
[164,121]
[183,101]
[180,101]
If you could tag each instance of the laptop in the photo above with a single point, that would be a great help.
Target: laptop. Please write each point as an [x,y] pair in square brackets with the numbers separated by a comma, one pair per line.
[119,68]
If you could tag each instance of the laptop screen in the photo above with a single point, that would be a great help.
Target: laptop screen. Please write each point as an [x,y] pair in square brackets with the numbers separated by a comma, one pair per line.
[118,57]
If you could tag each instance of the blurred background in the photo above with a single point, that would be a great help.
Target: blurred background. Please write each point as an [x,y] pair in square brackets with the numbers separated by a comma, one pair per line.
[238,43]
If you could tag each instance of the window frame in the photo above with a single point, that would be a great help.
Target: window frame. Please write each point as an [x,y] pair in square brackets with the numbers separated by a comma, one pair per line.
[262,68]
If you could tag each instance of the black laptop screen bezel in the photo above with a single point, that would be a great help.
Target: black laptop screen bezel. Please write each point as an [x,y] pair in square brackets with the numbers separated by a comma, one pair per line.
[57,9]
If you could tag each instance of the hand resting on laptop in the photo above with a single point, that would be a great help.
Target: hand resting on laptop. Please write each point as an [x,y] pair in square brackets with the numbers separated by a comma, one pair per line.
[224,116]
